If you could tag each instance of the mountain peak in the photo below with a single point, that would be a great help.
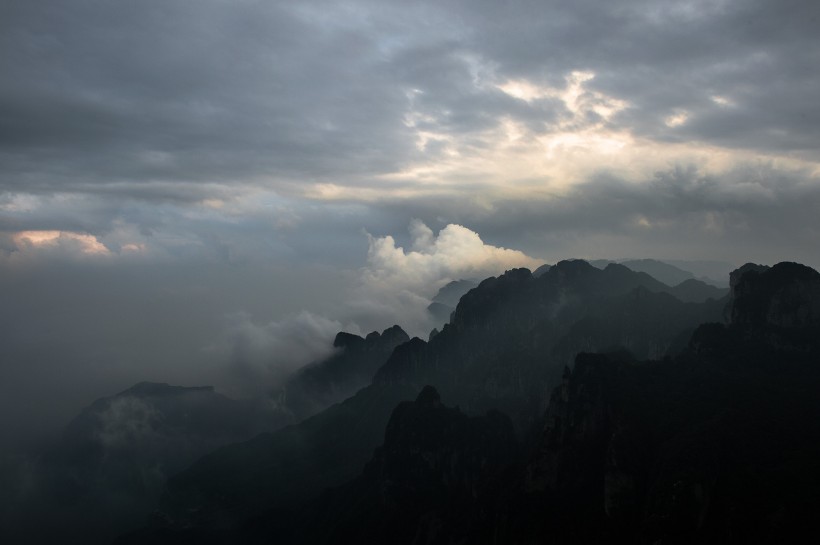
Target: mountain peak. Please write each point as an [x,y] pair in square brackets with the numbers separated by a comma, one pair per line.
[395,333]
[428,396]
[346,340]
[786,295]
[735,275]
[572,267]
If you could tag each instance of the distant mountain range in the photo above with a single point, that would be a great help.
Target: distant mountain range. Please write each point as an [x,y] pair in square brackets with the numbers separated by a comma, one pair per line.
[675,271]
[445,301]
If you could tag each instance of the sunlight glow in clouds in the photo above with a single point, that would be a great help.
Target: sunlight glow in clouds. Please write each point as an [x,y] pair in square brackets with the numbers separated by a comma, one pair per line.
[676,119]
[83,243]
[577,99]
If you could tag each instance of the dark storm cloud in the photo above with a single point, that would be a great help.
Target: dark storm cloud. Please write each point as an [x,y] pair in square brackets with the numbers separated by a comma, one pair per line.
[102,96]
[101,92]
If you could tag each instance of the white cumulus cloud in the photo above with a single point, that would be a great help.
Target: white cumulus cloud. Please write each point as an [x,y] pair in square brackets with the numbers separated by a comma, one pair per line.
[397,283]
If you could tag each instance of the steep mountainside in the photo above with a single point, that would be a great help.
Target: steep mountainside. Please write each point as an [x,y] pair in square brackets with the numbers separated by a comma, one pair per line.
[438,469]
[504,349]
[720,444]
[285,467]
[510,338]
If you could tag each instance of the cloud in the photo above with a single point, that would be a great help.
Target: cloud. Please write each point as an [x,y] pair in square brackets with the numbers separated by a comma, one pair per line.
[204,131]
[65,241]
[759,211]
[455,253]
[394,287]
[260,356]
[128,421]
[189,103]
[398,284]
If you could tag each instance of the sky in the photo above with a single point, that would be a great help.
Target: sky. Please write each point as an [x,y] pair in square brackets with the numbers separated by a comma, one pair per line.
[206,192]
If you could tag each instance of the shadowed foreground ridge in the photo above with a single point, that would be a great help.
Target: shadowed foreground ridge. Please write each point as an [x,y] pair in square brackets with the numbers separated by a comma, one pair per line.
[435,475]
[717,443]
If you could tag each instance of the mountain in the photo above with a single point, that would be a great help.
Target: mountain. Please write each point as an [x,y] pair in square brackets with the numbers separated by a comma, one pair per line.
[504,349]
[541,270]
[712,272]
[696,291]
[719,444]
[109,468]
[782,299]
[321,384]
[676,271]
[510,338]
[285,467]
[107,471]
[451,293]
[437,469]
[446,299]
[440,312]
[666,273]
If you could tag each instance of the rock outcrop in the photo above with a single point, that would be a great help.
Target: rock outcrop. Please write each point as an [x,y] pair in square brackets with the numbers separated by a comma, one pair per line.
[321,384]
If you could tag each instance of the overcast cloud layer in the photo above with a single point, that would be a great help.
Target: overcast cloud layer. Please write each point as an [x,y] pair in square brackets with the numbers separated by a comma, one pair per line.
[187,187]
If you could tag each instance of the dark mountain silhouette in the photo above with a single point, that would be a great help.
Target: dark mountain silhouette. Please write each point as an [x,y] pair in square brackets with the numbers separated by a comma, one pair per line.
[435,475]
[321,384]
[504,349]
[719,444]
[279,469]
